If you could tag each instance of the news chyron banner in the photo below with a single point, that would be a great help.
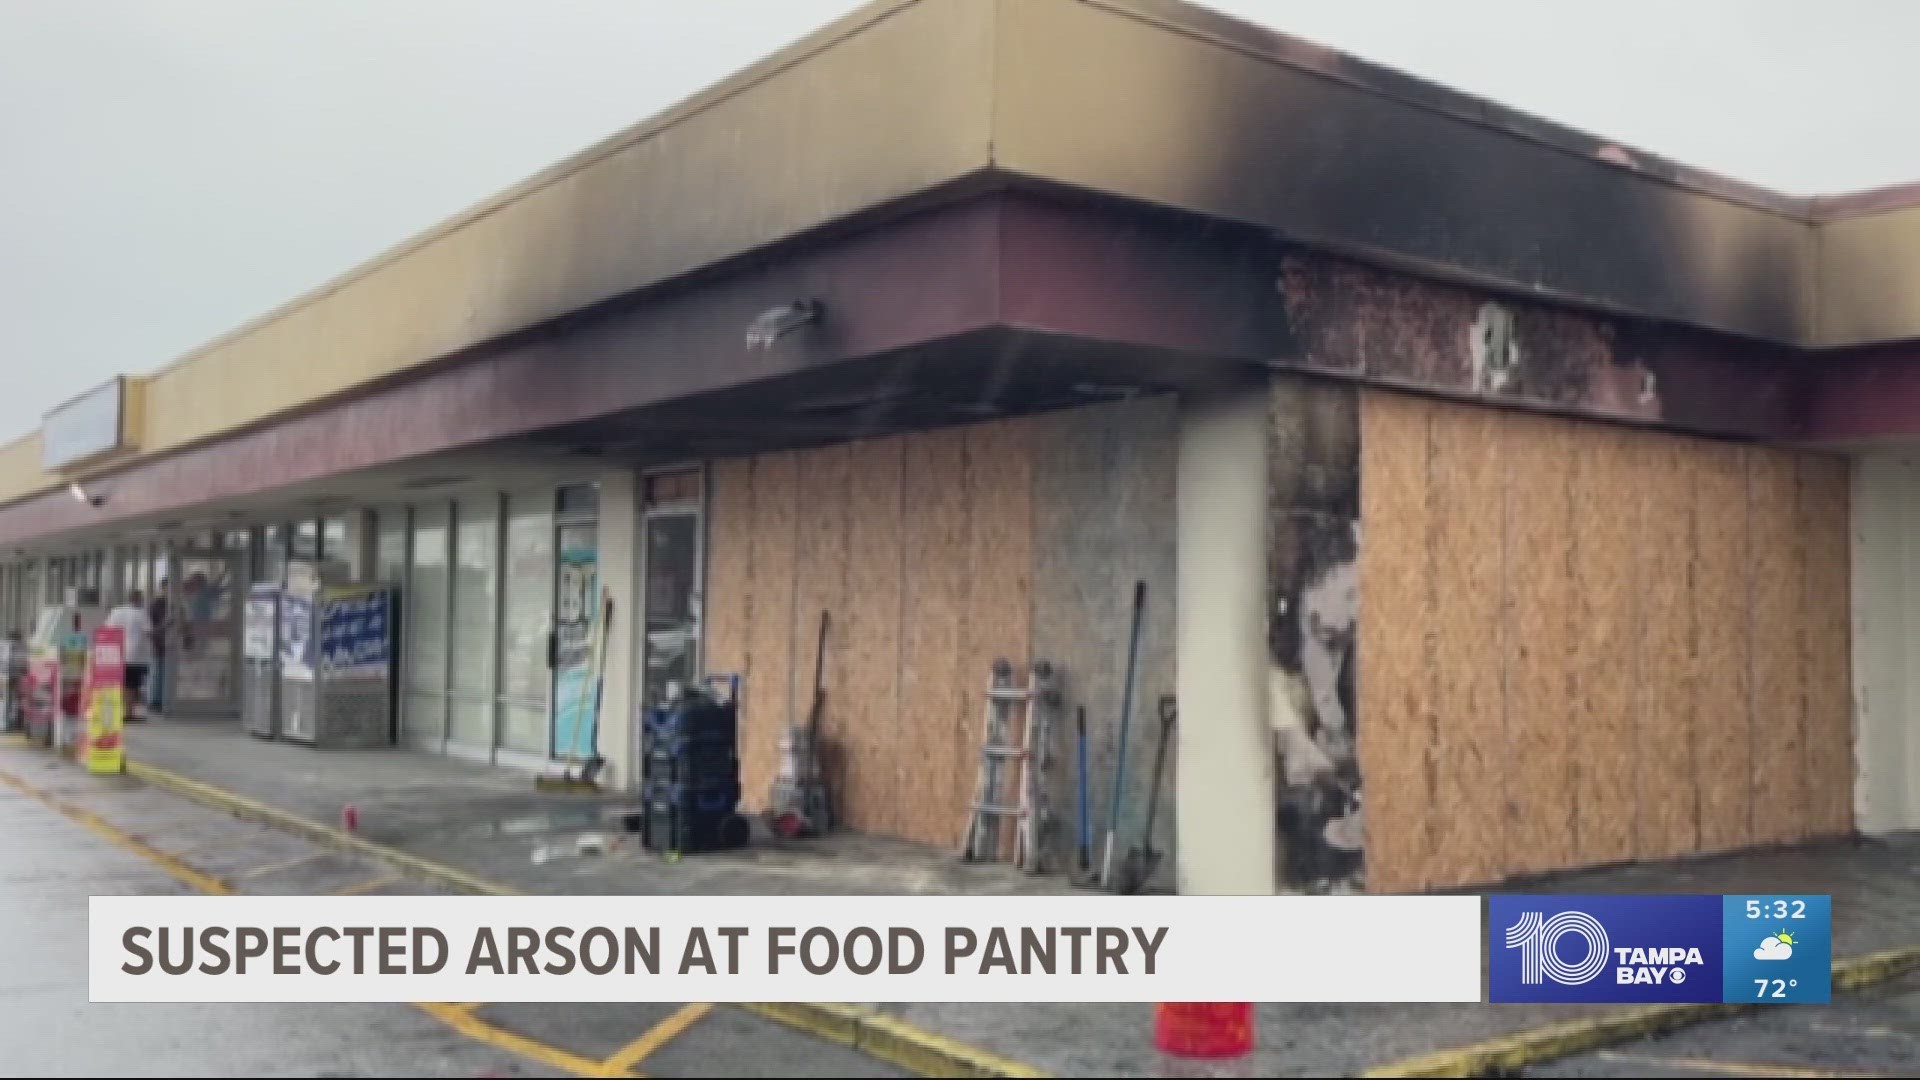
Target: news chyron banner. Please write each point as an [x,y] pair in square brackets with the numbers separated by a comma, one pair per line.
[785,948]
[1775,949]
[1398,949]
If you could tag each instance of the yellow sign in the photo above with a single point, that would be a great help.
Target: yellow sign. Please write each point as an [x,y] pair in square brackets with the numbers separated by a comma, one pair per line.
[106,746]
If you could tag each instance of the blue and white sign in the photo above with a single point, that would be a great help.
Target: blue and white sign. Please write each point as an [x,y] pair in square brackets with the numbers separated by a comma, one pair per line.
[355,635]
[296,635]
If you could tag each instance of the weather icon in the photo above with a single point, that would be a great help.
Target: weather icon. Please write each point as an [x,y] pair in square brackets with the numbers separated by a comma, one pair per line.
[1777,947]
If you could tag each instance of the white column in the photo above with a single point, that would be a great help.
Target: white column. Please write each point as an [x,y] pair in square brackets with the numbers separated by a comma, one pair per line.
[619,562]
[1886,653]
[1224,776]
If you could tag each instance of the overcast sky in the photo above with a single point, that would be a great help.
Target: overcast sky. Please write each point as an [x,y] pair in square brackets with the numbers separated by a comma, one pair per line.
[171,168]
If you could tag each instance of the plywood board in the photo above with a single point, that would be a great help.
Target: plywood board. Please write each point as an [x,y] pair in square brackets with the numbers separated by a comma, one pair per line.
[1396,721]
[934,719]
[1779,688]
[999,486]
[1103,495]
[729,568]
[768,693]
[820,586]
[1824,498]
[1468,558]
[1540,600]
[1604,638]
[1666,769]
[867,689]
[1723,627]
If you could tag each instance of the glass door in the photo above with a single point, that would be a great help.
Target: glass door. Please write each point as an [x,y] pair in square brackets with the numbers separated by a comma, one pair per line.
[526,627]
[576,616]
[205,680]
[670,648]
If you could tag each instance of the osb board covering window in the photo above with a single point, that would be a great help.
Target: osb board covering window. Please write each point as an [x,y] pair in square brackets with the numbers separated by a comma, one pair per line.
[1589,644]
[920,548]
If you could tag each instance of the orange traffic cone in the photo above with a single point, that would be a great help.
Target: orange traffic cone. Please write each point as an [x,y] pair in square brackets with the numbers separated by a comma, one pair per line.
[1204,1029]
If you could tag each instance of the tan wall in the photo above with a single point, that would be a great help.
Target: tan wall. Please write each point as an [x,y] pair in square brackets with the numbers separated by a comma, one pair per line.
[1585,644]
[920,547]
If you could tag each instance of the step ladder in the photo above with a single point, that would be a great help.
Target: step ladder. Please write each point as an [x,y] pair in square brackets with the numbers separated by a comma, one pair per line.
[1012,782]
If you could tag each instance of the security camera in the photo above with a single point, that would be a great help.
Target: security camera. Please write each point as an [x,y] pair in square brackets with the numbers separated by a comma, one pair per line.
[80,495]
[770,325]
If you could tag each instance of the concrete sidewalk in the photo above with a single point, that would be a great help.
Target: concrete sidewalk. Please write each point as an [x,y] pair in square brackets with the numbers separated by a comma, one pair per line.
[488,822]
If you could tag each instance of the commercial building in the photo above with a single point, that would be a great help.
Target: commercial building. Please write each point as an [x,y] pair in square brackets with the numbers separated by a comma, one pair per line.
[1549,494]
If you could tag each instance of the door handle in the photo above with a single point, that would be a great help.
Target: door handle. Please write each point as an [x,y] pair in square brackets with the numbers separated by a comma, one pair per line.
[553,648]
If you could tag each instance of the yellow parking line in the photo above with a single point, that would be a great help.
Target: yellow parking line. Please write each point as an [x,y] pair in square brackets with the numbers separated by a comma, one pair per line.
[206,883]
[276,867]
[1728,1068]
[464,1022]
[365,886]
[621,1061]
[457,1017]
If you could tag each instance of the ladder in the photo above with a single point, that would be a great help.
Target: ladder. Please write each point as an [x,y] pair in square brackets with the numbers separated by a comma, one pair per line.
[1012,782]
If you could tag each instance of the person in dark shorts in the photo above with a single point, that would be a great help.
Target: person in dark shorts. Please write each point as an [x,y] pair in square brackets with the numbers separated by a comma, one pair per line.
[131,618]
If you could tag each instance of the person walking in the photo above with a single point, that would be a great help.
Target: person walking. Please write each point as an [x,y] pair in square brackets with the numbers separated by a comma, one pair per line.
[132,620]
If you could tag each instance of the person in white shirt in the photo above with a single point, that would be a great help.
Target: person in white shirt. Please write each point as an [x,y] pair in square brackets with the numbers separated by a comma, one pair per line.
[131,618]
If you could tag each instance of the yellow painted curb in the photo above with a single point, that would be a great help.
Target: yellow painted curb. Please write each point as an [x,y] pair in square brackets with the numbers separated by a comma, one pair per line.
[892,1039]
[884,1037]
[242,807]
[1508,1053]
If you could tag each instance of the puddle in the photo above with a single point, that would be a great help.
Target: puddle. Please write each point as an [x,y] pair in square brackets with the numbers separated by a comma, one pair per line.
[533,824]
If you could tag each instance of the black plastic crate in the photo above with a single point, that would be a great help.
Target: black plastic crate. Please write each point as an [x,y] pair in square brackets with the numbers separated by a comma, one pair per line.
[670,829]
[696,721]
[719,798]
[691,764]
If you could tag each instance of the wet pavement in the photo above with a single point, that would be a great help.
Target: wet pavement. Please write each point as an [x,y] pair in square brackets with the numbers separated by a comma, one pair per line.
[69,836]
[1874,1033]
[489,822]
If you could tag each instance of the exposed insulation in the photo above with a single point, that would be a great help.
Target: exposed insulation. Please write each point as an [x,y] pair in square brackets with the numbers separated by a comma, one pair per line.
[1667,795]
[1605,638]
[1779,697]
[866,692]
[935,723]
[768,693]
[1824,499]
[1396,604]
[1541,606]
[999,486]
[1722,606]
[821,586]
[1469,736]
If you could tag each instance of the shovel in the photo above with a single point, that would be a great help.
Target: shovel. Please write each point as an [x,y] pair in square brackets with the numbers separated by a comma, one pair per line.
[1142,860]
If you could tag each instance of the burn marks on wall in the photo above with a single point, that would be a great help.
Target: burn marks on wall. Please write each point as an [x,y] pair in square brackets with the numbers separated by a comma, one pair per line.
[1313,617]
[1396,330]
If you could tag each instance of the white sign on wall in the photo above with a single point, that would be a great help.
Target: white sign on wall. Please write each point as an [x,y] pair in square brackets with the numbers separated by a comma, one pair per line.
[88,425]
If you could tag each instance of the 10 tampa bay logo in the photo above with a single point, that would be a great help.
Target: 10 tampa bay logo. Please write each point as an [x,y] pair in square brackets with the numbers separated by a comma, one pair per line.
[1538,938]
[1605,948]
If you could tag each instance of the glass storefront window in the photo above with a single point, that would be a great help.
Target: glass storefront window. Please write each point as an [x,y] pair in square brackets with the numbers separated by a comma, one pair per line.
[273,554]
[340,545]
[306,540]
[390,554]
[425,650]
[526,622]
[475,615]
